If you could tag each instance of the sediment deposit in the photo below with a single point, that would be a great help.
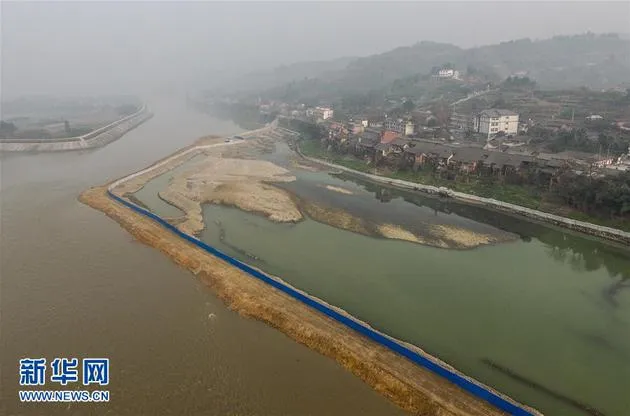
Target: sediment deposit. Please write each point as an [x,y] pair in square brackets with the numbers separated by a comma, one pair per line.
[242,183]
[463,237]
[233,176]
[339,190]
[412,387]
[398,233]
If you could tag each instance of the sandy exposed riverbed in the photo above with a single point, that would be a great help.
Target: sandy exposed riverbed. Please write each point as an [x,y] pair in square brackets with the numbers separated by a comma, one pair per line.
[243,183]
[339,189]
[233,176]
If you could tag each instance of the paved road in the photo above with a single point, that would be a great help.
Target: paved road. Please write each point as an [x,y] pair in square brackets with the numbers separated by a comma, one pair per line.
[471,97]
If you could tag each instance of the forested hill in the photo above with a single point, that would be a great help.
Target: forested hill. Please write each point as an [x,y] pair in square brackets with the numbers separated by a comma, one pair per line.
[561,62]
[595,61]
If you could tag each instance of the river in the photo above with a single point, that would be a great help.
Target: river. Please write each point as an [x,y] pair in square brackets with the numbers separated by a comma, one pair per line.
[74,284]
[544,318]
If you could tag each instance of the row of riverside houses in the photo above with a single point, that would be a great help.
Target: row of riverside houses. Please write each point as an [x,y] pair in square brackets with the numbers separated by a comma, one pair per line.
[353,134]
[402,153]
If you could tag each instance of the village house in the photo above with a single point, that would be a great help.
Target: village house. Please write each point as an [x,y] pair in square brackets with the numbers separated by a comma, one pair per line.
[337,131]
[388,136]
[395,148]
[579,159]
[491,122]
[364,144]
[446,73]
[423,153]
[502,163]
[323,113]
[405,127]
[467,159]
[358,127]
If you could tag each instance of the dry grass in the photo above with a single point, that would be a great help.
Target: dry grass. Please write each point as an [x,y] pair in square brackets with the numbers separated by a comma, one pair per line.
[276,204]
[336,217]
[398,233]
[462,237]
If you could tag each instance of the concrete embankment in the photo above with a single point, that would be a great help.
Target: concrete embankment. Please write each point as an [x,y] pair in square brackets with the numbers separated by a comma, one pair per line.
[608,233]
[97,138]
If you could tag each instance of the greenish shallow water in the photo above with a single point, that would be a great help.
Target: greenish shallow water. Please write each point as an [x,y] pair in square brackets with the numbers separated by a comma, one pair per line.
[551,306]
[157,184]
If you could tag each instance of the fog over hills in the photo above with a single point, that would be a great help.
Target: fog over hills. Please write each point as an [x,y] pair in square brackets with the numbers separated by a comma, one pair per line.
[137,47]
[594,61]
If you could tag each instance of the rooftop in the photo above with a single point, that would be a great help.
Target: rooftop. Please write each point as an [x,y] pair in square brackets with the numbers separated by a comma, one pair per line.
[496,112]
[389,136]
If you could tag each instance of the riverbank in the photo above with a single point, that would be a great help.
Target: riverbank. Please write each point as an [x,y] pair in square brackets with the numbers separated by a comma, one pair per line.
[608,233]
[97,138]
[412,387]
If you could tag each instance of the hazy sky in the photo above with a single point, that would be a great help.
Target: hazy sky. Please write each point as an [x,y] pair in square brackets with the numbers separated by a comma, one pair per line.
[94,47]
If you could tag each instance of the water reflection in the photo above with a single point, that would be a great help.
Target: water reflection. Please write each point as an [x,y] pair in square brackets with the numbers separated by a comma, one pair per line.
[581,252]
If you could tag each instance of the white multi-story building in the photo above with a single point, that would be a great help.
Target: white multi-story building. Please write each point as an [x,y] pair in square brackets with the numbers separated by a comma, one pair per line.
[409,128]
[448,73]
[491,122]
[400,125]
[324,112]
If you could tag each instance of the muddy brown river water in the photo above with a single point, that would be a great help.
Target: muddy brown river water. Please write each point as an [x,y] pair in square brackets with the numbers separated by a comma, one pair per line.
[74,284]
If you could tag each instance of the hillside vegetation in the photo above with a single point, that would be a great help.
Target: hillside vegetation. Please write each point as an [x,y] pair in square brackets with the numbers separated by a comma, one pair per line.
[595,61]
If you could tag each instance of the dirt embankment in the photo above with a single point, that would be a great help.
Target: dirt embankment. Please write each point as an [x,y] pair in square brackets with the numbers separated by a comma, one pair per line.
[413,388]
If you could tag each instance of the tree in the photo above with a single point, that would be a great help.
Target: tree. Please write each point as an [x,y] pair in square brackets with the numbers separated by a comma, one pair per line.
[442,112]
[498,103]
[126,109]
[7,129]
[408,106]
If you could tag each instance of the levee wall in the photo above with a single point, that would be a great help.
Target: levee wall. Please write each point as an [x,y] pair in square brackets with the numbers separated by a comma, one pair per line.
[97,138]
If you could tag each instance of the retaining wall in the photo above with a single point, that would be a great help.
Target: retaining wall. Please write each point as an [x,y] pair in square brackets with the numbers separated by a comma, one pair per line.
[97,138]
[470,385]
[581,226]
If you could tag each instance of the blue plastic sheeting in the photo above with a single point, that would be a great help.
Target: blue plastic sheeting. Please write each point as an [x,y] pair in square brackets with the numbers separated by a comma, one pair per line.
[471,387]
